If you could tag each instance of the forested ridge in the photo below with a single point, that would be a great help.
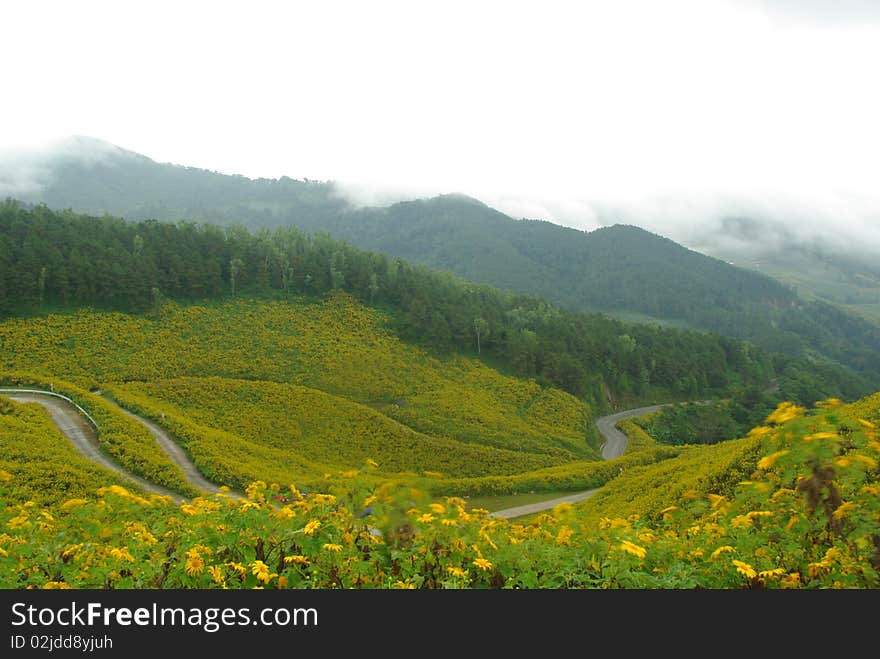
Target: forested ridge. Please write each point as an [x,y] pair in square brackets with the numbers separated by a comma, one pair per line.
[621,269]
[61,260]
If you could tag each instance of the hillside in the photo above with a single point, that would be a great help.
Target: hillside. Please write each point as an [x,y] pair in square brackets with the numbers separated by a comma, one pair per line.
[288,391]
[794,505]
[618,269]
[66,261]
[355,399]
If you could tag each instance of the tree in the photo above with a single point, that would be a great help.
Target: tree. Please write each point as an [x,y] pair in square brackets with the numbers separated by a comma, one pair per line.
[374,286]
[481,328]
[41,283]
[156,299]
[235,267]
[337,266]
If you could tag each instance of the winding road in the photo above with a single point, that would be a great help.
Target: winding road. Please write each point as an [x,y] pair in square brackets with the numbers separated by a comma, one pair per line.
[176,453]
[615,440]
[613,447]
[77,429]
[71,422]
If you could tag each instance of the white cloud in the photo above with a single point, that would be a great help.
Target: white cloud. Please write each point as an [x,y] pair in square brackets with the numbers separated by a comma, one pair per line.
[671,112]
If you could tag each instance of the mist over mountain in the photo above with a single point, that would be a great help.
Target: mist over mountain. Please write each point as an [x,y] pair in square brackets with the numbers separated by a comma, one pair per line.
[620,269]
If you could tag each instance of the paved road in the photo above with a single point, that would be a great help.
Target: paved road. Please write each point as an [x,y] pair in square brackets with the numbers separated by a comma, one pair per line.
[613,447]
[175,452]
[71,423]
[615,441]
[530,508]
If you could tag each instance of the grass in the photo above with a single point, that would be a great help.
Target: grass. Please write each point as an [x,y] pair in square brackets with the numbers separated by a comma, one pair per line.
[500,502]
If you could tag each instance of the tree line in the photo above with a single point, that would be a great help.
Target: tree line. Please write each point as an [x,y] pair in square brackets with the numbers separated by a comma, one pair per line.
[56,260]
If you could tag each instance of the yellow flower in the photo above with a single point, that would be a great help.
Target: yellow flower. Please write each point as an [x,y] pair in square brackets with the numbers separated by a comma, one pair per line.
[716,499]
[195,564]
[868,424]
[616,523]
[820,435]
[433,474]
[564,536]
[261,571]
[456,571]
[120,491]
[562,508]
[745,569]
[369,500]
[785,411]
[634,549]
[742,521]
[831,554]
[372,463]
[869,462]
[425,518]
[769,460]
[299,559]
[721,550]
[843,509]
[332,547]
[5,476]
[449,522]
[759,432]
[437,508]
[285,513]
[482,563]
[73,503]
[775,572]
[311,527]
[121,554]
[793,579]
[55,585]
[324,499]
[70,551]
[216,574]
[485,536]
[238,567]
[254,490]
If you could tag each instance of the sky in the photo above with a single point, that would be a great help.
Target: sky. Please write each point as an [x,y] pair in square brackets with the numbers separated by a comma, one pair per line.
[672,115]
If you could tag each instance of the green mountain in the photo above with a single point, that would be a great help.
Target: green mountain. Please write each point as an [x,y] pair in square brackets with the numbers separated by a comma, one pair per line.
[622,270]
[61,261]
